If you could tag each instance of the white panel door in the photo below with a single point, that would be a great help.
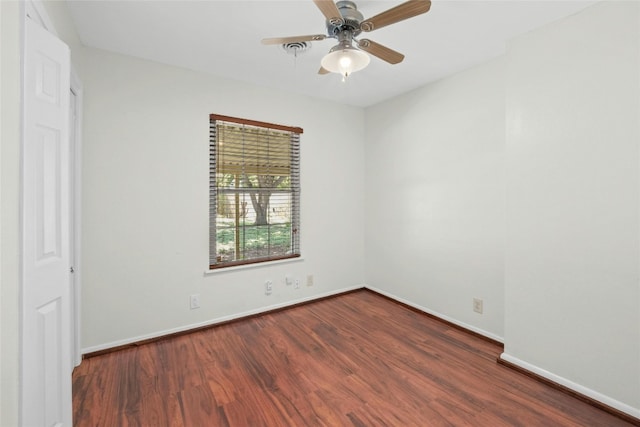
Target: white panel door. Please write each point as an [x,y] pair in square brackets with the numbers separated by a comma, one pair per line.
[46,327]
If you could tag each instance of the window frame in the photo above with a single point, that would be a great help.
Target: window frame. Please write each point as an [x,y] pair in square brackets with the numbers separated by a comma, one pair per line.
[294,147]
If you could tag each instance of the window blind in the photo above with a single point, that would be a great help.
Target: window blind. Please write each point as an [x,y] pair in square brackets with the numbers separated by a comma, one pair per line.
[254,191]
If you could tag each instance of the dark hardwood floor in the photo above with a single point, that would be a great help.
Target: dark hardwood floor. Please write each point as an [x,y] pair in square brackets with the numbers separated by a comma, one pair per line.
[357,359]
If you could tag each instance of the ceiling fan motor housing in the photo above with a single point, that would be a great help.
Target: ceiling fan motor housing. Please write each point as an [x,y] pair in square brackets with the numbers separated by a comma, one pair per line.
[352,19]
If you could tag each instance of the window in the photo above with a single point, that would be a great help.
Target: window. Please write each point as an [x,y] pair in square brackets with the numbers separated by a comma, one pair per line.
[254,191]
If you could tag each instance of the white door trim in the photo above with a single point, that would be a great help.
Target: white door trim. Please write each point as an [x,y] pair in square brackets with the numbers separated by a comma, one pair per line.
[76,261]
[35,10]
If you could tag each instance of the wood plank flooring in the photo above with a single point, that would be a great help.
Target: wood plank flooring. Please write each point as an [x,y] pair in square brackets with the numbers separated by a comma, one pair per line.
[357,359]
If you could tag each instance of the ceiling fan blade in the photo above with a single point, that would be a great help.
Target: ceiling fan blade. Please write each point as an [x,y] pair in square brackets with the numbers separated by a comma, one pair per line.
[382,52]
[330,11]
[294,39]
[399,13]
[323,71]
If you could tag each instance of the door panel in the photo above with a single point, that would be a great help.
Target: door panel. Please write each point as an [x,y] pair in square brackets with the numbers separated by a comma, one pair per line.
[48,194]
[49,321]
[46,350]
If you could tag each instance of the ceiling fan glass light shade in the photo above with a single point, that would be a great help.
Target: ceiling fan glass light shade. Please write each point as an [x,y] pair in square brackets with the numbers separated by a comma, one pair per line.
[345,61]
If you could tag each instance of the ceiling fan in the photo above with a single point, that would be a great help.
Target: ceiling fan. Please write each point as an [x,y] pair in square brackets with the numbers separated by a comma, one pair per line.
[345,23]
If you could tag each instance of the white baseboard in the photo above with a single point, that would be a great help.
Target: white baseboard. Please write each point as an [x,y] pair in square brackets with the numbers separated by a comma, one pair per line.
[215,321]
[440,315]
[623,407]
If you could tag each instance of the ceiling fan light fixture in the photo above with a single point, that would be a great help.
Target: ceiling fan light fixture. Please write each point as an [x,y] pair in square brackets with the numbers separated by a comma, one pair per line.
[345,60]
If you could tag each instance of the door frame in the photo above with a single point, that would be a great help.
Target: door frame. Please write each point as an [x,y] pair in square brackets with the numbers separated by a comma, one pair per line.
[76,212]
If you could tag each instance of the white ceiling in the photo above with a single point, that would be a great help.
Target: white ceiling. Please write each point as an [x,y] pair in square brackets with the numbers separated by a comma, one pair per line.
[223,38]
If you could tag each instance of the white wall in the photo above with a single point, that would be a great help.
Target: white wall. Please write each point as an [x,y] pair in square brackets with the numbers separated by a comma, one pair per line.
[10,18]
[435,197]
[145,199]
[572,302]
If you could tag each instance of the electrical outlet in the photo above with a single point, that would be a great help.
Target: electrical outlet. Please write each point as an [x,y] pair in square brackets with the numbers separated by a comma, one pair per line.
[477,305]
[288,280]
[194,301]
[268,287]
[296,284]
[310,280]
